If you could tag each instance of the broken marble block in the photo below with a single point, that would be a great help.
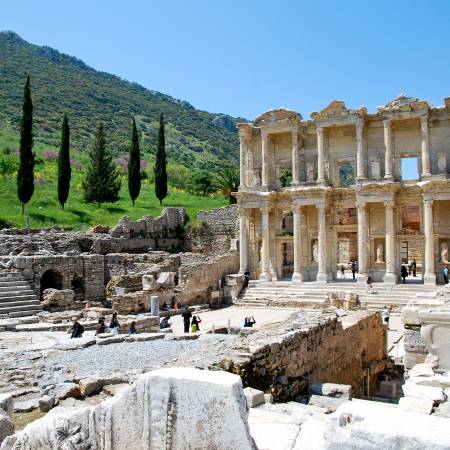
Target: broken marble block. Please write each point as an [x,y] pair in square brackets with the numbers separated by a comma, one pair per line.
[174,408]
[6,426]
[331,390]
[419,405]
[254,397]
[7,403]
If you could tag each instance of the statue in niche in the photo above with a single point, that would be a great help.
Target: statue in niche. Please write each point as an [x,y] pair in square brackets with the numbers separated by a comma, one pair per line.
[442,163]
[375,168]
[380,249]
[315,252]
[310,172]
[444,252]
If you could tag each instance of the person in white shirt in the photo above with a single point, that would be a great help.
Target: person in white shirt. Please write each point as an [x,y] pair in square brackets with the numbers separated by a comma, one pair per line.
[385,315]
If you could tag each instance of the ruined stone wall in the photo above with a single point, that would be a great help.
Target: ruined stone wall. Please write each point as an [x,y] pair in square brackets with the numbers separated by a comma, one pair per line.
[223,220]
[311,348]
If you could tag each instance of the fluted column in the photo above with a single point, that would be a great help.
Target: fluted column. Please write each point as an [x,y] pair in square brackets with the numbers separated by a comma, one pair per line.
[390,274]
[428,231]
[295,157]
[362,242]
[320,157]
[243,241]
[425,146]
[264,159]
[360,159]
[388,150]
[265,248]
[297,276]
[322,244]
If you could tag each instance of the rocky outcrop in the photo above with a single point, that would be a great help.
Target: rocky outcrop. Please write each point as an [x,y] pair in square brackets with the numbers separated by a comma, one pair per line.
[58,300]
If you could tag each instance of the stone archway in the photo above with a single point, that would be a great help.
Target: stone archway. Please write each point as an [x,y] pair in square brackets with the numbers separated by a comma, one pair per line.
[50,279]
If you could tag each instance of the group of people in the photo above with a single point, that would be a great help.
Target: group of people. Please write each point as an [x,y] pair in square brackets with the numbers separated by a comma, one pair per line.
[176,306]
[114,327]
[190,322]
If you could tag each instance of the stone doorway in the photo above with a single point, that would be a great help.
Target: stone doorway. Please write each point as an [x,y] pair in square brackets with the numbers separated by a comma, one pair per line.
[410,252]
[50,279]
[77,285]
[346,252]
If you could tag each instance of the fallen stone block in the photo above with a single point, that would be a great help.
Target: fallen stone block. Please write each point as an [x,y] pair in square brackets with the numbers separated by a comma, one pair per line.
[62,391]
[6,426]
[7,403]
[182,337]
[46,403]
[254,397]
[166,418]
[26,405]
[331,390]
[421,370]
[76,343]
[112,340]
[419,405]
[411,389]
[443,410]
[330,404]
[113,389]
[143,337]
[93,385]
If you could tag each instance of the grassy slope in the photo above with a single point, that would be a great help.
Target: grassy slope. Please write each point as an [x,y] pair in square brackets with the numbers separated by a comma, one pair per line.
[44,209]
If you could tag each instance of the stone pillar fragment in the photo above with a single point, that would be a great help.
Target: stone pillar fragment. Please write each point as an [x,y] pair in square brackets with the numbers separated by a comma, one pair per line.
[428,231]
[322,244]
[362,242]
[295,157]
[264,160]
[425,146]
[297,276]
[243,241]
[154,305]
[265,248]
[320,157]
[390,274]
[388,149]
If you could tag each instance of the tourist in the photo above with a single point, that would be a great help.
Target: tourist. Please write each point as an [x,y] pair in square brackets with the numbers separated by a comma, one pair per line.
[186,314]
[342,271]
[77,328]
[249,322]
[369,284]
[414,267]
[114,325]
[195,325]
[385,315]
[101,326]
[409,267]
[246,278]
[165,307]
[132,329]
[404,273]
[445,273]
[354,269]
[164,323]
[173,303]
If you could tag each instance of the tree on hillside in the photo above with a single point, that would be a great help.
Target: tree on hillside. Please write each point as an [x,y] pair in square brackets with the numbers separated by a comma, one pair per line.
[102,182]
[134,165]
[228,181]
[160,164]
[25,174]
[201,183]
[64,170]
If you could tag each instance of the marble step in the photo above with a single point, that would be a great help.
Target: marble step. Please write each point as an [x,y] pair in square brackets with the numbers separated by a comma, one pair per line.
[13,285]
[14,298]
[29,309]
[6,305]
[15,292]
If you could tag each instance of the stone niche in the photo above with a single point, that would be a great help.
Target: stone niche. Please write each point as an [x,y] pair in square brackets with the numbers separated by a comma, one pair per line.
[379,251]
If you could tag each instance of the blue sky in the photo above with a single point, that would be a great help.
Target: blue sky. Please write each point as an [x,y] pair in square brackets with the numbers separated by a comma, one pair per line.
[244,57]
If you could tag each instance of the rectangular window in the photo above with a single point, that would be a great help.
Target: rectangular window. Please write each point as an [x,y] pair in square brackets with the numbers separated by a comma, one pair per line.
[409,168]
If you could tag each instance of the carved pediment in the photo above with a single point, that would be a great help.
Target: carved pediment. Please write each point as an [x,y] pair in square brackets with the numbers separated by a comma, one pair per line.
[337,110]
[404,103]
[278,116]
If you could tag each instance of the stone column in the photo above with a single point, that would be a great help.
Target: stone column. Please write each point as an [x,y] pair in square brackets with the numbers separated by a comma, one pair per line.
[390,276]
[360,160]
[320,157]
[295,157]
[322,244]
[297,276]
[243,241]
[388,148]
[428,231]
[242,157]
[264,160]
[265,248]
[425,146]
[362,242]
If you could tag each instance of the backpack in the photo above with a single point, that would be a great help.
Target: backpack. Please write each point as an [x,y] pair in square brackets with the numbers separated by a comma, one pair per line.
[194,328]
[81,329]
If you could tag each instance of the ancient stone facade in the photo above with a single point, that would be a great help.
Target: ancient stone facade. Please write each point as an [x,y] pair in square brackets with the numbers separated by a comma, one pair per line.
[347,197]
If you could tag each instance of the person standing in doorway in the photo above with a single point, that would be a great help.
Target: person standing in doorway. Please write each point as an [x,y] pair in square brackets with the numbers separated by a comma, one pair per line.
[354,270]
[445,273]
[342,271]
[186,314]
[414,267]
[404,273]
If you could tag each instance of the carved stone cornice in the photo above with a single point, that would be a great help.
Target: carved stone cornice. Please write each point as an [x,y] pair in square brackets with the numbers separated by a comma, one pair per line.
[280,117]
[404,104]
[336,113]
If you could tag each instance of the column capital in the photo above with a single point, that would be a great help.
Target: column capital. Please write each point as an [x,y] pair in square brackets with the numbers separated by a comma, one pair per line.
[297,208]
[424,119]
[387,123]
[321,206]
[428,202]
[243,211]
[319,130]
[294,129]
[360,204]
[389,204]
[265,209]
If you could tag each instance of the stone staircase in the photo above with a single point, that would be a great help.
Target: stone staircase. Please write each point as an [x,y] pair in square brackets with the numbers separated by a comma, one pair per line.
[314,295]
[17,299]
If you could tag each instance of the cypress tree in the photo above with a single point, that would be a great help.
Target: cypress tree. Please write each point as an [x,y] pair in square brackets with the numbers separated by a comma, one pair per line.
[134,165]
[102,182]
[160,164]
[25,174]
[64,170]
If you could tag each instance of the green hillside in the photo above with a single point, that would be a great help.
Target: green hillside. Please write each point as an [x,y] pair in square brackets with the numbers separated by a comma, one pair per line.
[61,83]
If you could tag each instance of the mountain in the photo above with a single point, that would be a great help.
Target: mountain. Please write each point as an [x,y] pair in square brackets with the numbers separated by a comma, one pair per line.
[62,83]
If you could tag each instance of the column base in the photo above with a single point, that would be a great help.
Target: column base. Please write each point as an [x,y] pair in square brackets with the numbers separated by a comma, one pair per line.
[390,278]
[388,178]
[322,277]
[297,277]
[361,278]
[265,276]
[429,279]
